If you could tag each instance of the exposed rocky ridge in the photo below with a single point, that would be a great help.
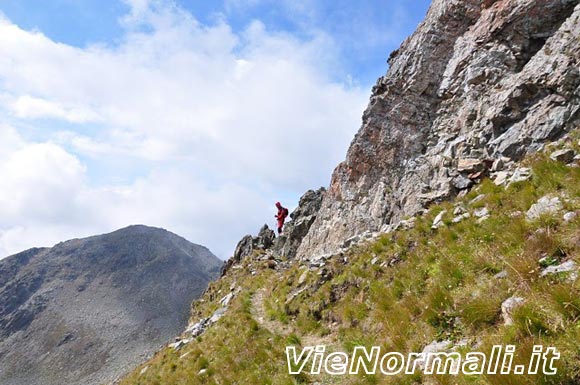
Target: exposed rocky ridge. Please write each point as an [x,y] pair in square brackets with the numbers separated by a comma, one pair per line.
[287,244]
[86,310]
[477,86]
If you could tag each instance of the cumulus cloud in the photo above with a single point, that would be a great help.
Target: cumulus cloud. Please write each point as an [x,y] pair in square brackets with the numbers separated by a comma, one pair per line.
[206,126]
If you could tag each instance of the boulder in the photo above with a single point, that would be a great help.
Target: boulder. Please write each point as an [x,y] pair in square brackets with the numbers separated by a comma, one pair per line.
[501,275]
[501,178]
[459,209]
[566,267]
[498,164]
[461,217]
[481,213]
[544,206]
[478,198]
[520,174]
[434,347]
[563,156]
[461,182]
[570,216]
[438,221]
[407,224]
[507,308]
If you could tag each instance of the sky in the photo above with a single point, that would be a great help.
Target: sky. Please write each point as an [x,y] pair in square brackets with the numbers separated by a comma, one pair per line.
[191,115]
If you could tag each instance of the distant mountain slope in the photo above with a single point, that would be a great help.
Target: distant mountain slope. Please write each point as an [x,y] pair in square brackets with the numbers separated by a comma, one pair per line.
[85,310]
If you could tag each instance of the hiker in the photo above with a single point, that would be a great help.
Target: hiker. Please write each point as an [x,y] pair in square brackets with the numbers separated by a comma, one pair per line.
[281,216]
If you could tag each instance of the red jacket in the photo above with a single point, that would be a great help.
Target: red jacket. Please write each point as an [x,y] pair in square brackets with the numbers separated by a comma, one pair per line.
[282,214]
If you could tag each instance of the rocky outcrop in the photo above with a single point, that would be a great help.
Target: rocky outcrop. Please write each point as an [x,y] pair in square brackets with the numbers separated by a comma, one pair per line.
[287,244]
[479,85]
[248,244]
[302,219]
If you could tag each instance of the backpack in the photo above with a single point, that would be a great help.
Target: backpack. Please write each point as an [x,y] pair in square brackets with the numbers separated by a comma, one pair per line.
[284,212]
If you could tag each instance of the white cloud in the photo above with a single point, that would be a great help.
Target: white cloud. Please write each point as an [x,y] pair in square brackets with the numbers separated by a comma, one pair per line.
[223,123]
[27,107]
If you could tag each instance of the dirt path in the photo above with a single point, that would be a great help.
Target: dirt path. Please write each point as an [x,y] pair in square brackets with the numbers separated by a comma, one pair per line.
[277,327]
[259,314]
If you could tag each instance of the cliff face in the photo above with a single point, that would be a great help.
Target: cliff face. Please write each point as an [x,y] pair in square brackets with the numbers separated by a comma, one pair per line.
[478,82]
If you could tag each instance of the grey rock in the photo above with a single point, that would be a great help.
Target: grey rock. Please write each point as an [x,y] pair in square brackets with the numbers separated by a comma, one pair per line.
[461,182]
[481,212]
[570,216]
[461,217]
[303,277]
[219,313]
[244,248]
[478,198]
[520,174]
[179,343]
[498,165]
[434,347]
[564,156]
[566,267]
[544,206]
[225,301]
[459,209]
[438,221]
[501,178]
[501,275]
[265,238]
[507,308]
[351,241]
[407,224]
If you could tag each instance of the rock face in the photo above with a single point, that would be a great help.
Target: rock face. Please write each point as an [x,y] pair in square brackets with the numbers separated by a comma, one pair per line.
[302,219]
[87,310]
[478,82]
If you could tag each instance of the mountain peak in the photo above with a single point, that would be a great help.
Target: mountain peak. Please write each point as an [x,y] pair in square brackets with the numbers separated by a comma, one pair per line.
[114,296]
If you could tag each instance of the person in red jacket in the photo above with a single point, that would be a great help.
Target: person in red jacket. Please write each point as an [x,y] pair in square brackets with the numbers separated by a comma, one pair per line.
[281,216]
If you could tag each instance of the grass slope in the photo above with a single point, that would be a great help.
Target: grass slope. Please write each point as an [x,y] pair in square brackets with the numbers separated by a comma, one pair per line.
[424,285]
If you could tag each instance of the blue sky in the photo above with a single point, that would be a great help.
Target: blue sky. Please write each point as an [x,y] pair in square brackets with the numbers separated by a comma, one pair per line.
[191,115]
